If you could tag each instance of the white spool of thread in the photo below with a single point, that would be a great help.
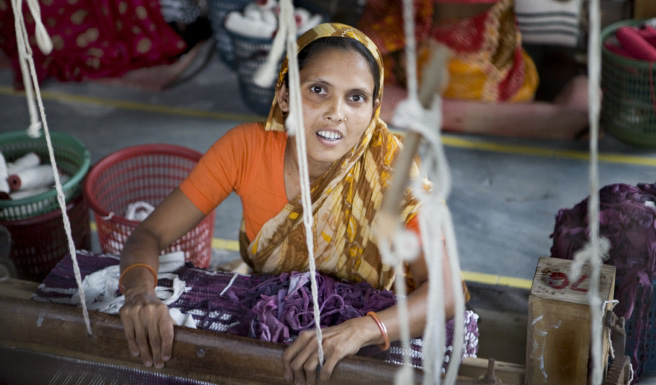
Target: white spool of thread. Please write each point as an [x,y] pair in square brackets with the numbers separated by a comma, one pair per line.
[4,185]
[26,161]
[22,194]
[40,176]
[237,23]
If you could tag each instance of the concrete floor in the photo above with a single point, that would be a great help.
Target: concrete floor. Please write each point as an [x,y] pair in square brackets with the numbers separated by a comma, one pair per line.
[506,191]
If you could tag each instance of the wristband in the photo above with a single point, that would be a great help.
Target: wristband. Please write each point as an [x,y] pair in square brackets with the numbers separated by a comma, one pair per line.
[383,330]
[152,271]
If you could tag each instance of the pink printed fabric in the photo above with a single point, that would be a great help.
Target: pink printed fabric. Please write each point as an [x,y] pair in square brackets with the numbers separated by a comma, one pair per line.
[93,38]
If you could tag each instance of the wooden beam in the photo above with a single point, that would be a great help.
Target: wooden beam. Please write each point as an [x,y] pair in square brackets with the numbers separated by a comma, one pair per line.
[198,354]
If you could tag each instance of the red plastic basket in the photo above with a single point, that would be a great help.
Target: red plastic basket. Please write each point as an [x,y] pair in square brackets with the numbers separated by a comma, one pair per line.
[38,243]
[144,173]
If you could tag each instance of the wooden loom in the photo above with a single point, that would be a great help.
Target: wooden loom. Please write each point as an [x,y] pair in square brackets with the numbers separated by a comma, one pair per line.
[41,331]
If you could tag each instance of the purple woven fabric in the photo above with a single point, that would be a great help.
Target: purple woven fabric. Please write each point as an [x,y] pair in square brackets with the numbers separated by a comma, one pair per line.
[626,218]
[271,308]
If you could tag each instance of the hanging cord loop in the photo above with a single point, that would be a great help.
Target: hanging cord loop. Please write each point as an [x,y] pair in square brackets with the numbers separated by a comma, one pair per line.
[29,73]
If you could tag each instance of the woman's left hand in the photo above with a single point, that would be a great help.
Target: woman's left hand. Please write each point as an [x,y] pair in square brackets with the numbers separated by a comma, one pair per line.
[301,359]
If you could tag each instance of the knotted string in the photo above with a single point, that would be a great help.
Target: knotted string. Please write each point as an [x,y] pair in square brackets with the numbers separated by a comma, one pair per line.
[26,60]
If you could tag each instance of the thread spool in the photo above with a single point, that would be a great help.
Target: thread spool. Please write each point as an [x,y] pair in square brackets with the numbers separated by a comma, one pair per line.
[26,161]
[31,178]
[237,23]
[4,185]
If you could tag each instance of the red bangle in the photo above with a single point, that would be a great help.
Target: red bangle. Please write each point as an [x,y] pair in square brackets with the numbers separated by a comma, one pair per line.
[383,330]
[152,271]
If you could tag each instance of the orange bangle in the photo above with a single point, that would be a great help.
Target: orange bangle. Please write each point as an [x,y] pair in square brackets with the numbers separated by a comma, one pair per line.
[152,271]
[383,330]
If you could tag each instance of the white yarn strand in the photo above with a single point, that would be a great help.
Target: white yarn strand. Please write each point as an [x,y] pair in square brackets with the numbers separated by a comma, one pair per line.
[410,48]
[434,219]
[596,248]
[294,123]
[26,65]
[23,45]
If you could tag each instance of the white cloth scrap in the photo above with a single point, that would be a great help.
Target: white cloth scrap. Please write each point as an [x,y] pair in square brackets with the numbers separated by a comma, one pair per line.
[100,288]
[138,211]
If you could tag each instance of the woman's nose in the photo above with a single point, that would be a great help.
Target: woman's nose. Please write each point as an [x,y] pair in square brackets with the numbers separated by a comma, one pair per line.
[335,111]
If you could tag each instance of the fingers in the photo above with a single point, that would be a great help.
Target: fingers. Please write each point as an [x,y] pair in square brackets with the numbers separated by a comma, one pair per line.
[300,359]
[141,334]
[128,329]
[148,329]
[166,331]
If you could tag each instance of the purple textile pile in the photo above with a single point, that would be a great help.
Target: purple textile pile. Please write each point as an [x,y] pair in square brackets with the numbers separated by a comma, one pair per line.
[626,218]
[279,308]
[270,308]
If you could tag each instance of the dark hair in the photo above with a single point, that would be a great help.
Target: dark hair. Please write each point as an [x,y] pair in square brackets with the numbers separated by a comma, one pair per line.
[334,42]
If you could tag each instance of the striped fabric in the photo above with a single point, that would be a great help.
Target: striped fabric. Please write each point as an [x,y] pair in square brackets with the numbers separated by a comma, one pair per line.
[549,22]
[180,11]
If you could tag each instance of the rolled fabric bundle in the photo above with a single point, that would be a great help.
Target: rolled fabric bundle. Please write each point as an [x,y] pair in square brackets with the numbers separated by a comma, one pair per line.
[634,43]
[237,23]
[39,176]
[4,185]
[29,160]
[28,193]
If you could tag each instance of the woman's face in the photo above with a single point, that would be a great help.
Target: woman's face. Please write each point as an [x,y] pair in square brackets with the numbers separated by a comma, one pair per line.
[337,89]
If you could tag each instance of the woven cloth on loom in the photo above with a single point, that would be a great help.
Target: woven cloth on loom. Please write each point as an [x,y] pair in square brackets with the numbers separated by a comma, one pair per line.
[271,308]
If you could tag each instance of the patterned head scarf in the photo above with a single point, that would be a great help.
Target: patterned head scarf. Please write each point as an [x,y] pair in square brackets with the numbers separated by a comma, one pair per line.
[345,199]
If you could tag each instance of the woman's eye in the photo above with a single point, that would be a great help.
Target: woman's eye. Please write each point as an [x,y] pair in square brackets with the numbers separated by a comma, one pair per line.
[358,98]
[316,89]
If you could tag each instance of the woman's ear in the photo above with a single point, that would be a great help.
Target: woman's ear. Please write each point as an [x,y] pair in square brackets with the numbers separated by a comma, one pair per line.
[376,105]
[282,97]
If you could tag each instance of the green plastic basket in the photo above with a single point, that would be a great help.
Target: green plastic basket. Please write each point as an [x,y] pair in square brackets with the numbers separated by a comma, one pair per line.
[72,159]
[629,94]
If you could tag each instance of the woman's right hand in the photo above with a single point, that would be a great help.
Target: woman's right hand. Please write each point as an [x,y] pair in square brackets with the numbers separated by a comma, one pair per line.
[148,326]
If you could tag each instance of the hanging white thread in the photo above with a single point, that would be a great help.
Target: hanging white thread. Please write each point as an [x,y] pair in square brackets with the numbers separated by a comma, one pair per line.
[26,62]
[435,220]
[25,54]
[295,126]
[597,248]
[389,257]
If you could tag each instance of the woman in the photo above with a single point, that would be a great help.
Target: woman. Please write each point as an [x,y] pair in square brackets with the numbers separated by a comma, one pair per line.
[492,80]
[349,155]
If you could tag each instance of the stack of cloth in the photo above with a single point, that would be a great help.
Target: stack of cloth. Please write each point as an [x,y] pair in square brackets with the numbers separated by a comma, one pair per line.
[270,308]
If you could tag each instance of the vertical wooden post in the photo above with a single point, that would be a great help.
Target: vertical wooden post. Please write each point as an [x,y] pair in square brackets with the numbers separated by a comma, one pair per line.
[558,334]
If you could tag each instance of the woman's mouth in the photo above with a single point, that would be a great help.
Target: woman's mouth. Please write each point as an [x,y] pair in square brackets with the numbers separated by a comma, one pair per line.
[329,137]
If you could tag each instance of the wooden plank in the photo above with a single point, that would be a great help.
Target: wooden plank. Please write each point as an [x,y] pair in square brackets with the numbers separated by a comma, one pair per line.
[558,333]
[508,373]
[18,288]
[198,354]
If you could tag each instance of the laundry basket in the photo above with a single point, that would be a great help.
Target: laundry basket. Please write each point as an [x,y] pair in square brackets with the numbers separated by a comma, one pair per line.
[72,159]
[146,173]
[218,10]
[250,54]
[629,94]
[39,242]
